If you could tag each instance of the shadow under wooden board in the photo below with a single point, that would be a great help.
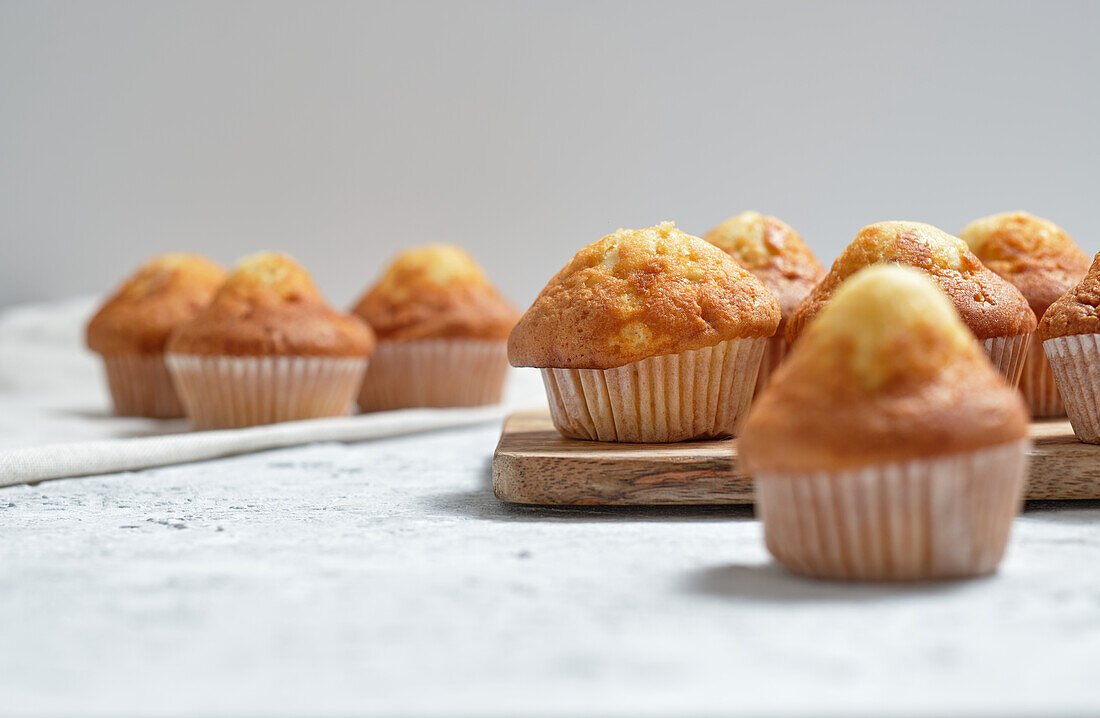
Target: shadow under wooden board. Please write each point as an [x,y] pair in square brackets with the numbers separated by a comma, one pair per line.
[534,464]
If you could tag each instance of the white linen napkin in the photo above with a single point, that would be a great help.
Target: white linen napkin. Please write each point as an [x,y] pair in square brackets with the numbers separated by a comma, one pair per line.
[108,456]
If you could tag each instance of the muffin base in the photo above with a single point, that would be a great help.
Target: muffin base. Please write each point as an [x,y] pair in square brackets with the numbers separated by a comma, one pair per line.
[698,394]
[941,517]
[141,385]
[1074,362]
[775,351]
[222,392]
[1008,355]
[1038,384]
[435,372]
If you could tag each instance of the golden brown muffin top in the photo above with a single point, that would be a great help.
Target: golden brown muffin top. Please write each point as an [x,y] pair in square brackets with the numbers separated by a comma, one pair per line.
[989,305]
[774,253]
[641,293]
[436,292]
[1077,311]
[269,306]
[888,372]
[165,292]
[1034,254]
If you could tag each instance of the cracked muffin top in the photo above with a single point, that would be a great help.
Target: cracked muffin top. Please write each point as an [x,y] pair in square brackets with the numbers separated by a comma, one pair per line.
[1077,311]
[269,306]
[888,372]
[989,306]
[774,253]
[640,293]
[1034,254]
[165,292]
[436,292]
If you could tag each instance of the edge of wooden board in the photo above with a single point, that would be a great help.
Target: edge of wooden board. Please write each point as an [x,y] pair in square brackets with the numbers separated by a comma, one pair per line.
[534,465]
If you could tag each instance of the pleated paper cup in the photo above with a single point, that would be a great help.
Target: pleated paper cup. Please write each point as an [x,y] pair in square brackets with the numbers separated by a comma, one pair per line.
[942,517]
[698,394]
[774,352]
[1039,386]
[1008,355]
[1075,364]
[435,372]
[141,386]
[223,392]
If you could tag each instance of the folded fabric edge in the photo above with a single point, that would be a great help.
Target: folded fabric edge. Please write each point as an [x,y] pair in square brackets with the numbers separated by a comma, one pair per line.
[108,456]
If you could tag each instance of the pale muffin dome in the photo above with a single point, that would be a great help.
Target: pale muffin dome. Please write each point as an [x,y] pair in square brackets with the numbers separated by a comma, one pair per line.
[756,240]
[269,305]
[165,292]
[989,306]
[888,372]
[774,253]
[1037,256]
[436,292]
[640,293]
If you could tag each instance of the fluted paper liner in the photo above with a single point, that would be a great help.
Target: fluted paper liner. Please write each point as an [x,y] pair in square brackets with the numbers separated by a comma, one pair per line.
[698,394]
[1038,385]
[942,517]
[1008,355]
[222,392]
[141,386]
[435,372]
[775,351]
[1075,365]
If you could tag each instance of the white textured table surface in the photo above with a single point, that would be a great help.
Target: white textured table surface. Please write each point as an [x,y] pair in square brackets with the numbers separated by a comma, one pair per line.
[385,578]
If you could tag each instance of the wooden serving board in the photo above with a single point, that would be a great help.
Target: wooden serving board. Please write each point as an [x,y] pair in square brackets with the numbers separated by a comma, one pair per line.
[534,464]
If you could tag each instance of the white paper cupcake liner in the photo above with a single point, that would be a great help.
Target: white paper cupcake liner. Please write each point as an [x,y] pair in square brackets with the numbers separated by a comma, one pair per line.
[141,386]
[942,517]
[223,392]
[1008,355]
[775,351]
[1038,385]
[698,394]
[1075,365]
[435,372]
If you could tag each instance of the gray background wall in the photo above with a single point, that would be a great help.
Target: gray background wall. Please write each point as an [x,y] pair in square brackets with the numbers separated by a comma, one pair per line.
[343,132]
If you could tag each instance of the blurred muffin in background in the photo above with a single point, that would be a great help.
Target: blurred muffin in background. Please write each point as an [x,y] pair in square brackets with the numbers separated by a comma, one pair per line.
[888,446]
[648,335]
[994,310]
[268,349]
[777,256]
[1043,262]
[1070,336]
[442,331]
[132,328]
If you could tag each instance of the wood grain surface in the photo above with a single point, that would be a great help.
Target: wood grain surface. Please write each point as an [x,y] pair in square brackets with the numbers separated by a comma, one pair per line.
[533,464]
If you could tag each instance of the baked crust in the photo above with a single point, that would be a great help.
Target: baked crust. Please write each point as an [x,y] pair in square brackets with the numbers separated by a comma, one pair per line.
[1077,311]
[269,306]
[165,292]
[774,253]
[436,292]
[887,373]
[1034,254]
[989,306]
[640,293]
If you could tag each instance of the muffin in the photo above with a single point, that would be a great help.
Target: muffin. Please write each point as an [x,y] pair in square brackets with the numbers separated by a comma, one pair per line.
[268,349]
[442,331]
[888,446]
[1043,262]
[1070,336]
[648,335]
[995,311]
[777,256]
[131,329]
